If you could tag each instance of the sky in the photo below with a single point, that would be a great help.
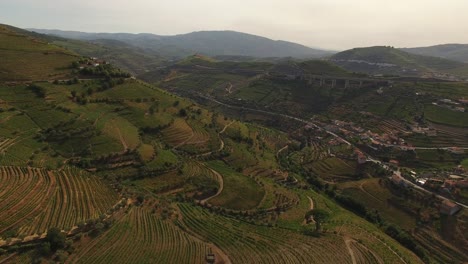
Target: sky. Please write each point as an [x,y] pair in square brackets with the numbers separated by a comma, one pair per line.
[328,24]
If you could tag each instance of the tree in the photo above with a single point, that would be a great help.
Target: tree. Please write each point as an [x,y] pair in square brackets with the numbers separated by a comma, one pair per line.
[183,112]
[320,216]
[56,239]
[44,249]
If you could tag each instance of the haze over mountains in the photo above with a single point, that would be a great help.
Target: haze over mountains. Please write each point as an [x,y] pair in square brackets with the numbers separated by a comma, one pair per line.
[391,61]
[458,52]
[210,43]
[140,53]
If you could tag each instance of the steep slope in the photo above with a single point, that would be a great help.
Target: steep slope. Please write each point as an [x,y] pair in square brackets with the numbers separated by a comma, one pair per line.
[391,61]
[456,52]
[123,55]
[27,58]
[210,43]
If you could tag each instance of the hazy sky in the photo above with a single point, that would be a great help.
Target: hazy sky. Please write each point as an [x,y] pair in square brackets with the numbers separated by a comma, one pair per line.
[332,24]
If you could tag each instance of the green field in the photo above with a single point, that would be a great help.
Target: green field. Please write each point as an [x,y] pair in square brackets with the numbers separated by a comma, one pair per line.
[240,192]
[445,116]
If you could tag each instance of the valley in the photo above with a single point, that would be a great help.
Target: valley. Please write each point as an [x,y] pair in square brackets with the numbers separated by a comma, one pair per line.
[202,160]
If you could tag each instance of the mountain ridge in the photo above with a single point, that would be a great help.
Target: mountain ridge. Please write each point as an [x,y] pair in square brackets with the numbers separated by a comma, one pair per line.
[452,51]
[392,61]
[212,43]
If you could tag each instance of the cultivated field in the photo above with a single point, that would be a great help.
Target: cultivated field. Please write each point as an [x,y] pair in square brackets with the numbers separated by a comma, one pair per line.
[142,237]
[34,200]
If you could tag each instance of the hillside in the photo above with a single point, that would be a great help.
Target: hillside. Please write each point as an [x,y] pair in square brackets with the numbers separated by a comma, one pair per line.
[456,52]
[26,57]
[121,54]
[99,166]
[211,43]
[300,88]
[391,61]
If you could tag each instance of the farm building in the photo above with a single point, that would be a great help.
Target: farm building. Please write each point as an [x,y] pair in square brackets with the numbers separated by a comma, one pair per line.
[449,208]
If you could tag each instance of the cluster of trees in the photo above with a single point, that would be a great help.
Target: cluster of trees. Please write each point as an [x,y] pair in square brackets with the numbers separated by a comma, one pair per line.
[58,134]
[111,158]
[37,90]
[106,70]
[110,82]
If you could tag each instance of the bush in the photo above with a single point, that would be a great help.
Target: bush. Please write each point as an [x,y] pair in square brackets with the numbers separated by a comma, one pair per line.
[56,239]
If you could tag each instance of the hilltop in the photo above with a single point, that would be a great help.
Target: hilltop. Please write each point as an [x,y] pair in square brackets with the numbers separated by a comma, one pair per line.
[390,61]
[211,43]
[27,57]
[456,52]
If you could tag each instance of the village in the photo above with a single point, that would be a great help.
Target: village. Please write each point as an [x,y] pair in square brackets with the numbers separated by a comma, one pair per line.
[451,184]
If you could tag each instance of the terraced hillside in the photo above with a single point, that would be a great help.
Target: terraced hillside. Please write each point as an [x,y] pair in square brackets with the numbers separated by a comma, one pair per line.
[153,240]
[34,200]
[133,173]
[26,58]
[246,244]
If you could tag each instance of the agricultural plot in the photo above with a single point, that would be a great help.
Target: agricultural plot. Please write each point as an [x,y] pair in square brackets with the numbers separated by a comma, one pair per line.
[315,152]
[122,130]
[334,169]
[441,250]
[24,58]
[34,200]
[445,116]
[373,195]
[240,192]
[450,136]
[165,183]
[349,226]
[142,237]
[178,133]
[246,243]
[196,169]
[240,155]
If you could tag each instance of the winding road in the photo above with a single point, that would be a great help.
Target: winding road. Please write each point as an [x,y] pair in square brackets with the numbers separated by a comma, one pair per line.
[370,158]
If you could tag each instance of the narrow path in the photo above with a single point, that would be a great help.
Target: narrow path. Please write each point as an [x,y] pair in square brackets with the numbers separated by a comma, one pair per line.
[221,184]
[226,126]
[278,114]
[229,89]
[221,145]
[348,242]
[311,203]
[124,144]
[279,151]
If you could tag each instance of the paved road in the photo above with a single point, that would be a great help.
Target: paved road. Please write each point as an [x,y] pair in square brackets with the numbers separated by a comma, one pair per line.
[371,159]
[416,148]
[278,114]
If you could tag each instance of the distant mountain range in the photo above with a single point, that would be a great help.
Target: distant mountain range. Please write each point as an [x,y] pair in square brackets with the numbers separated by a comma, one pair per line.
[211,43]
[457,52]
[390,61]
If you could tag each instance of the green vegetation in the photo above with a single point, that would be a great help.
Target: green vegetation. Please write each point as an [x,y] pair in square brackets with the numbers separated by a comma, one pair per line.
[109,168]
[445,116]
[26,58]
[240,192]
